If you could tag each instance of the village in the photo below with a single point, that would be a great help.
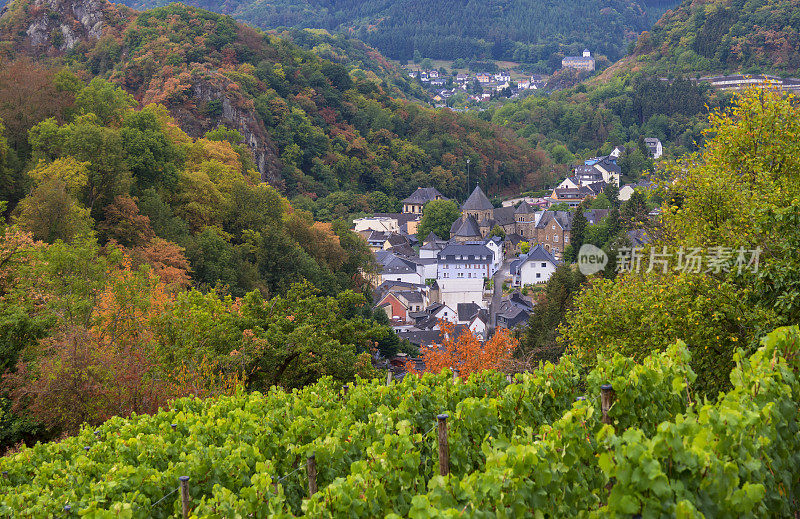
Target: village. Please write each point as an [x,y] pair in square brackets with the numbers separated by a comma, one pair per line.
[484,86]
[478,277]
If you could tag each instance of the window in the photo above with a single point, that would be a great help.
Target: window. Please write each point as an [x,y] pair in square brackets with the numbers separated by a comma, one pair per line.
[538,275]
[555,237]
[553,227]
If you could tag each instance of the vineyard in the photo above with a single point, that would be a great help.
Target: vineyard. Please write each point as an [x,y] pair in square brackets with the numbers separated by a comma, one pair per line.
[539,445]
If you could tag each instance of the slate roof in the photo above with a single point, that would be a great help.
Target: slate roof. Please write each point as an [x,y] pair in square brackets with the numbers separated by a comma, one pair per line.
[396,239]
[398,265]
[524,208]
[471,251]
[537,253]
[593,216]
[466,311]
[504,216]
[515,238]
[428,337]
[431,237]
[403,250]
[411,296]
[468,228]
[423,195]
[563,218]
[477,201]
[434,245]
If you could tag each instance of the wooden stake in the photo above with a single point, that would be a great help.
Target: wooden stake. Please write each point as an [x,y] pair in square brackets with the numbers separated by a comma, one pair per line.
[311,469]
[455,374]
[606,400]
[444,448]
[388,377]
[185,496]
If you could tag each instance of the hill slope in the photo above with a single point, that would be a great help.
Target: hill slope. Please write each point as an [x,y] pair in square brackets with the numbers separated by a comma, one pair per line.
[521,30]
[313,128]
[701,37]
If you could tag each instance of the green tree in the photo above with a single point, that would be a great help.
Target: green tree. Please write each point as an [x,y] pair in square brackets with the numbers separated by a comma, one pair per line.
[633,213]
[51,213]
[538,341]
[150,155]
[497,231]
[109,102]
[437,217]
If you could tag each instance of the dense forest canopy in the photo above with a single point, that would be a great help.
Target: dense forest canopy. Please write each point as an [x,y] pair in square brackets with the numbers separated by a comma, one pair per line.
[530,31]
[335,136]
[750,36]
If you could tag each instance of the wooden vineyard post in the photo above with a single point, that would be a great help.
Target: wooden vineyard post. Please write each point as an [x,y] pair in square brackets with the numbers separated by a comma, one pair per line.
[184,496]
[388,377]
[311,469]
[606,401]
[444,448]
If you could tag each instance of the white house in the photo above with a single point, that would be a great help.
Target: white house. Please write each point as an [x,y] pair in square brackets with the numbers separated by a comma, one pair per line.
[465,261]
[495,244]
[654,146]
[461,272]
[395,268]
[479,324]
[535,267]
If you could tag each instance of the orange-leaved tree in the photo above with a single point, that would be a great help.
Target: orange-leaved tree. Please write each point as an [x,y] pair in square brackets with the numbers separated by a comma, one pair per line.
[466,353]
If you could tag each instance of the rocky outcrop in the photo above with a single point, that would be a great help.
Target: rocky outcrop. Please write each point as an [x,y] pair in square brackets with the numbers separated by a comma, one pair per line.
[234,113]
[60,24]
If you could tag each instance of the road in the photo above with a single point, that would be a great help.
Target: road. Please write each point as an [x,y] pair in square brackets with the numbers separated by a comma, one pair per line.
[497,294]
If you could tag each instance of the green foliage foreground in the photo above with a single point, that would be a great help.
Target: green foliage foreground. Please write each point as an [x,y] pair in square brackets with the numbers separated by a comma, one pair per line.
[515,448]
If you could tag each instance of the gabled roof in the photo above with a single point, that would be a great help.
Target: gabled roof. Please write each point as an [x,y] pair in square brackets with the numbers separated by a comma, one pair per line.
[434,245]
[477,201]
[411,296]
[403,249]
[593,216]
[539,253]
[466,311]
[423,195]
[398,265]
[563,218]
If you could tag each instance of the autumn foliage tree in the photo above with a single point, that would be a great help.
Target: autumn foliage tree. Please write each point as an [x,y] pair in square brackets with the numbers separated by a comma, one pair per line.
[464,351]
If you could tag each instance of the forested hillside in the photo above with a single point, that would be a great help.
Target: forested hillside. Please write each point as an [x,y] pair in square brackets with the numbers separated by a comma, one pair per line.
[722,36]
[313,128]
[530,31]
[593,118]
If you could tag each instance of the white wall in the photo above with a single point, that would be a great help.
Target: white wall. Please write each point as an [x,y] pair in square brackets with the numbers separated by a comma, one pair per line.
[530,269]
[478,327]
[412,277]
[454,291]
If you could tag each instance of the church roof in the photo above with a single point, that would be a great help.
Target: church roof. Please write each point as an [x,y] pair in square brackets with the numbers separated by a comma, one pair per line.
[477,201]
[469,227]
[524,208]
